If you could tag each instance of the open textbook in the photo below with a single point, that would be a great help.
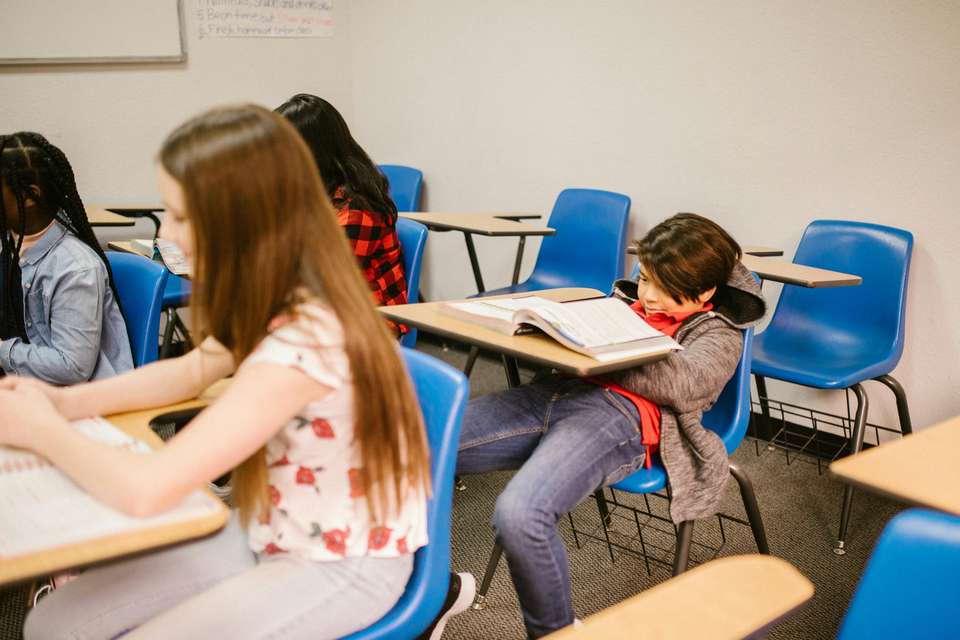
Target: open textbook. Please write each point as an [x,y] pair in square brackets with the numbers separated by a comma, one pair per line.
[603,328]
[41,508]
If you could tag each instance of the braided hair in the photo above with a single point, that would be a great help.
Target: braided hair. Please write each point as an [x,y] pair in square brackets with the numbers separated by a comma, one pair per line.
[31,167]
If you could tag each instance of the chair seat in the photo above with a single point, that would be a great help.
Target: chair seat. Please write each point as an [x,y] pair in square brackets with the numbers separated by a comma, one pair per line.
[177,292]
[833,363]
[644,480]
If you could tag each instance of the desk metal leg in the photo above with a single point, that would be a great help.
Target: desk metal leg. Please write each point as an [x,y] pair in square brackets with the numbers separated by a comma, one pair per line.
[519,260]
[472,252]
[512,370]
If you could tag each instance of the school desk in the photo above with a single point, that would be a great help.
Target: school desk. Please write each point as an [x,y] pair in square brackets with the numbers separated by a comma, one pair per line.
[484,224]
[127,246]
[724,599]
[748,249]
[51,561]
[531,347]
[104,218]
[919,469]
[798,274]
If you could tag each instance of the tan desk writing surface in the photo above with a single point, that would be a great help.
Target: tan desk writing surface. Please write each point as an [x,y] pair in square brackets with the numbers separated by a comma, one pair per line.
[798,274]
[136,424]
[724,599]
[104,218]
[537,348]
[919,469]
[126,247]
[129,207]
[485,224]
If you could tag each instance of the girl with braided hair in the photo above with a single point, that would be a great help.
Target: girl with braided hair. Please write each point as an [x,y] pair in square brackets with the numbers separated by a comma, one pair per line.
[59,316]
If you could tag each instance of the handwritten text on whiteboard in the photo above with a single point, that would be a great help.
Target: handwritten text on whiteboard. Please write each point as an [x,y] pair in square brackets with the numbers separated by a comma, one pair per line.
[264,18]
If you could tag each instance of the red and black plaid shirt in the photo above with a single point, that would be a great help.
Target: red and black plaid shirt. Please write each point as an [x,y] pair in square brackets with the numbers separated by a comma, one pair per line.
[377,247]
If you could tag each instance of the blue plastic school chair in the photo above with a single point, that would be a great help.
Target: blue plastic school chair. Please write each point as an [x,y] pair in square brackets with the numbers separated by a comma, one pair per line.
[140,284]
[587,250]
[917,558]
[839,338]
[175,295]
[413,239]
[405,185]
[728,418]
[442,392]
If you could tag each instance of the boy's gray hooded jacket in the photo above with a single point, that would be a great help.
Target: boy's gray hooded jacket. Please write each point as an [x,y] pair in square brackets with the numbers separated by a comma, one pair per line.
[687,383]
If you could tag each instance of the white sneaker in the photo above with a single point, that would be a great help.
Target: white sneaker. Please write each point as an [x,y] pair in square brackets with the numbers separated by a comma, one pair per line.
[460,594]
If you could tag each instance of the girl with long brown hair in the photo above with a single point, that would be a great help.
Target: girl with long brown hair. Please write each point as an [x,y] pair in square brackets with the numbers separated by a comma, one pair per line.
[320,422]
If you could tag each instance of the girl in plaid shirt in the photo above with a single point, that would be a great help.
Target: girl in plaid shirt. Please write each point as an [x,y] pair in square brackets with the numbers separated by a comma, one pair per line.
[359,192]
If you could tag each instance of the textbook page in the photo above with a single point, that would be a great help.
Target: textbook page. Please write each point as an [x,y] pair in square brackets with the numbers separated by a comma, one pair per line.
[595,323]
[41,508]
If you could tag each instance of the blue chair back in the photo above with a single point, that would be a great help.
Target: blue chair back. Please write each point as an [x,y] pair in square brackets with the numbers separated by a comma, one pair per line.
[589,246]
[140,284]
[413,239]
[909,588]
[730,415]
[866,322]
[405,184]
[442,392]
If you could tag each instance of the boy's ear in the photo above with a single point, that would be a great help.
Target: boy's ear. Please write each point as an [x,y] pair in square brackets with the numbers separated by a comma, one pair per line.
[704,297]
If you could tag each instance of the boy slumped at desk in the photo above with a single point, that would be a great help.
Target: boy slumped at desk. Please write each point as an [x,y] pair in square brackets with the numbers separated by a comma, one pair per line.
[59,316]
[566,437]
[330,492]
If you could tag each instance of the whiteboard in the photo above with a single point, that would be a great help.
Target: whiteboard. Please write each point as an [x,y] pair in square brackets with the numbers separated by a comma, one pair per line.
[91,31]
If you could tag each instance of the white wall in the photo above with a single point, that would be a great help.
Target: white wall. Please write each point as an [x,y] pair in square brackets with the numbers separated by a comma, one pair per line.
[111,120]
[762,115]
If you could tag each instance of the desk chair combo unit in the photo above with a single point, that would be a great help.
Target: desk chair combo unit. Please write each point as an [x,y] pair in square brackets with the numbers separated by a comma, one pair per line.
[728,418]
[840,338]
[587,250]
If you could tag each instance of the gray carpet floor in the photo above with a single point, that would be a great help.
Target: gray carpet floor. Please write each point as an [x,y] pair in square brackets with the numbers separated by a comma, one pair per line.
[800,510]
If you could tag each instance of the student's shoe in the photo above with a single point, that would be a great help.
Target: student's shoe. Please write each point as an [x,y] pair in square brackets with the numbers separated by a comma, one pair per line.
[460,593]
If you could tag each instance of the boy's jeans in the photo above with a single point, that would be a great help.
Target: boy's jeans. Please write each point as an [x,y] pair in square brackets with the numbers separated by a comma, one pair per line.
[567,438]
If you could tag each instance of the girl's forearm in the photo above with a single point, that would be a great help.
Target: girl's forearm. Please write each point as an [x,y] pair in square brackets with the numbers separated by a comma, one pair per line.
[127,481]
[157,384]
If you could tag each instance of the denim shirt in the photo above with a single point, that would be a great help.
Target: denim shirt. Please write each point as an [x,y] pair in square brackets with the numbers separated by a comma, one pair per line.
[71,316]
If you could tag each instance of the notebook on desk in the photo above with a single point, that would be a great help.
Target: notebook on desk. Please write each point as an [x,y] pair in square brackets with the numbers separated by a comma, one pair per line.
[165,251]
[42,509]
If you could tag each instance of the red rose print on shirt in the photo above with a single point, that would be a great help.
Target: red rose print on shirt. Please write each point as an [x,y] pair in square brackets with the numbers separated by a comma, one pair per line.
[305,476]
[355,476]
[281,461]
[378,538]
[402,545]
[335,540]
[274,495]
[272,549]
[321,428]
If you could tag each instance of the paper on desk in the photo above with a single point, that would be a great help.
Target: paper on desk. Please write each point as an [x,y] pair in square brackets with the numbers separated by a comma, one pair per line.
[41,508]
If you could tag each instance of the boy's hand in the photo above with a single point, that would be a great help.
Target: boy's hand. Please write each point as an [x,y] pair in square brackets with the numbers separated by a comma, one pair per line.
[27,417]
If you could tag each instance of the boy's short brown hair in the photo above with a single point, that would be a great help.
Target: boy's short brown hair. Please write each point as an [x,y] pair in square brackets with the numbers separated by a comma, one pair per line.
[687,254]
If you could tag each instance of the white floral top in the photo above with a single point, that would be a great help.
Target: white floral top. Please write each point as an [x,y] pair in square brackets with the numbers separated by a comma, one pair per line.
[318,510]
